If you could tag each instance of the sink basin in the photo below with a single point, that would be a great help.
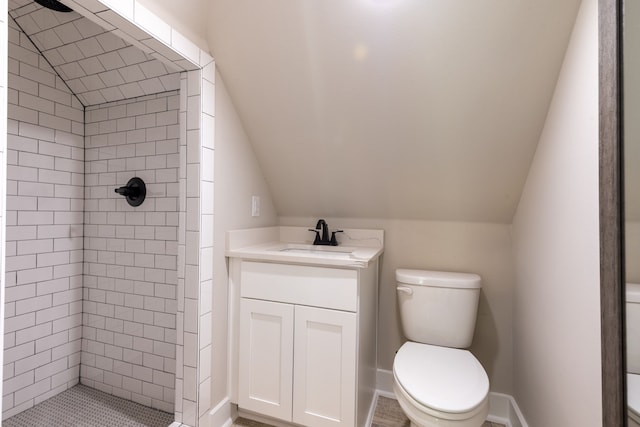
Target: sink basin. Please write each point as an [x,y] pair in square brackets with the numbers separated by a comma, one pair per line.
[343,255]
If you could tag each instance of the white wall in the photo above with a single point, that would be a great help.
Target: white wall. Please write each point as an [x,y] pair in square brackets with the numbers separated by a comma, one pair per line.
[479,248]
[631,65]
[557,294]
[631,141]
[188,17]
[632,249]
[237,178]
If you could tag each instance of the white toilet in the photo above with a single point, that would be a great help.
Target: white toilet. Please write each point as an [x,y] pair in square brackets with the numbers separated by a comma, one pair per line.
[633,353]
[436,382]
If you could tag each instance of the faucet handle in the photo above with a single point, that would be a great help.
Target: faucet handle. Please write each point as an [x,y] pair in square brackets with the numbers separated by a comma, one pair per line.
[317,239]
[334,242]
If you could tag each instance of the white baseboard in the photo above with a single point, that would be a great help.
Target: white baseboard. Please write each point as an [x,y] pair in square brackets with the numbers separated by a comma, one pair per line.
[503,408]
[384,383]
[221,415]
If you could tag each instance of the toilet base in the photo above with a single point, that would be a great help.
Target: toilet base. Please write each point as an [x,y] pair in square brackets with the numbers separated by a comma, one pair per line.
[419,416]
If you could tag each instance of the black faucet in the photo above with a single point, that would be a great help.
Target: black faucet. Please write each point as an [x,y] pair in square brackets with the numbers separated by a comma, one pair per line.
[321,225]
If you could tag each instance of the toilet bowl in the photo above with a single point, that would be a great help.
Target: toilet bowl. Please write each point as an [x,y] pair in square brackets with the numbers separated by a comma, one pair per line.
[440,386]
[437,382]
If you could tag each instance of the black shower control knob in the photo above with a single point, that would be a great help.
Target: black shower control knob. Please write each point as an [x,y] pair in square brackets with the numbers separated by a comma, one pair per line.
[135,191]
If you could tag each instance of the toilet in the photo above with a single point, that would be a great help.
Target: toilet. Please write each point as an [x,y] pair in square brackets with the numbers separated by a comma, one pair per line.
[437,382]
[633,353]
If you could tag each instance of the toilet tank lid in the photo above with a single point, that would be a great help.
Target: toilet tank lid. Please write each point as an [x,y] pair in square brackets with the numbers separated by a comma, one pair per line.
[632,292]
[441,279]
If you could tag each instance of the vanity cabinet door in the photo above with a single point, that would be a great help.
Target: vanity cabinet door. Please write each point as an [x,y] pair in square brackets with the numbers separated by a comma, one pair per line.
[266,357]
[324,370]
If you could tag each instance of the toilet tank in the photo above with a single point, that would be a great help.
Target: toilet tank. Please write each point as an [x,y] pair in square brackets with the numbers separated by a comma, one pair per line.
[632,292]
[438,307]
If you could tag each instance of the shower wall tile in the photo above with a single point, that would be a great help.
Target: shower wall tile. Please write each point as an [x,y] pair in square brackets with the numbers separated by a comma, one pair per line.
[130,254]
[45,179]
[92,56]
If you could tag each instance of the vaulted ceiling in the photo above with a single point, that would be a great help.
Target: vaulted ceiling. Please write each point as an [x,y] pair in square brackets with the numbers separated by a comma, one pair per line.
[420,109]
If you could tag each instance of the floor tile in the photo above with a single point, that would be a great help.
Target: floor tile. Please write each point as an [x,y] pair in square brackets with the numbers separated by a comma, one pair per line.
[82,406]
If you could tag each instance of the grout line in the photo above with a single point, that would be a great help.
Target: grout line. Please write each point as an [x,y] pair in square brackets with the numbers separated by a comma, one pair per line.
[157,95]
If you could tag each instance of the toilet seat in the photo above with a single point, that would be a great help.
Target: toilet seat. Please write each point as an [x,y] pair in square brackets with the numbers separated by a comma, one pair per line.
[443,379]
[422,416]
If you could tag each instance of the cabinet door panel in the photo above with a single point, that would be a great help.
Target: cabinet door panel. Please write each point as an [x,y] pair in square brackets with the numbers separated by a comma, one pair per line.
[324,367]
[266,358]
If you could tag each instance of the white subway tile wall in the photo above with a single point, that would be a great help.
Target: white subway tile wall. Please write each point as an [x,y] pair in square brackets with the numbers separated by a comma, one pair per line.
[3,151]
[130,253]
[45,191]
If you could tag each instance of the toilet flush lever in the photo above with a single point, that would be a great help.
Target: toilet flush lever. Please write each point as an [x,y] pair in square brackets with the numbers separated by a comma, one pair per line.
[405,290]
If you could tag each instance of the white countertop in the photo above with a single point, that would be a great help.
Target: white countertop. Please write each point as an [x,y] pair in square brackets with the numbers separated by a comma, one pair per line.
[357,248]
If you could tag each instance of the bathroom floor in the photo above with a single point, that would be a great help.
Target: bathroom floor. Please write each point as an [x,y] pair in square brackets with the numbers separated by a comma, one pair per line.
[83,406]
[387,414]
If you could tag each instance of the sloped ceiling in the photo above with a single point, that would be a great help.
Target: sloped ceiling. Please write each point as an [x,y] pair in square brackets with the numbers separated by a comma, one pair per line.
[416,109]
[97,65]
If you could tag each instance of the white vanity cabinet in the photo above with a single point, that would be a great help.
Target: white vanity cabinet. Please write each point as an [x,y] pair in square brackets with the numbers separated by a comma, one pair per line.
[305,342]
[297,363]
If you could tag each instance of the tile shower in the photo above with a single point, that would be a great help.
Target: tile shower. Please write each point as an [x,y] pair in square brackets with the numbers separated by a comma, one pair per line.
[97,291]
